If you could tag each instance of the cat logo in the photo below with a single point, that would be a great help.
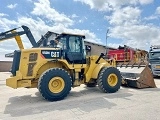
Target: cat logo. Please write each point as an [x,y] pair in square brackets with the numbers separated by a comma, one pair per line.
[54,54]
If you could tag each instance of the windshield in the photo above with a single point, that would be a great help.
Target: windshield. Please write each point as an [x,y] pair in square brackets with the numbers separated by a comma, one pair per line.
[75,44]
[153,55]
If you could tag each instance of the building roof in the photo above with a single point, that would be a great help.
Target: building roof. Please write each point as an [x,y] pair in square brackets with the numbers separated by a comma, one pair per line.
[100,45]
[64,33]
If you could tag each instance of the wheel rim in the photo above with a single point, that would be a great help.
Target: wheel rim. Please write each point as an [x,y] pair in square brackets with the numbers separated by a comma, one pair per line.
[56,85]
[112,80]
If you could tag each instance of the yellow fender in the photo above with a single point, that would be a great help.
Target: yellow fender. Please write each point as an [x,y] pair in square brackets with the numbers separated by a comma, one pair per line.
[97,70]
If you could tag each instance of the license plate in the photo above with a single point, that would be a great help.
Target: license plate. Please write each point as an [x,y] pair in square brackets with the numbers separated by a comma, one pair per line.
[158,66]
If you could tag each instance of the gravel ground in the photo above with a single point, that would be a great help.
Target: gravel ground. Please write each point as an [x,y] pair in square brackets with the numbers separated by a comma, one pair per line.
[81,104]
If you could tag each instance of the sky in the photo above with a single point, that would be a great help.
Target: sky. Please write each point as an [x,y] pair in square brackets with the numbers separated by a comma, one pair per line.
[135,23]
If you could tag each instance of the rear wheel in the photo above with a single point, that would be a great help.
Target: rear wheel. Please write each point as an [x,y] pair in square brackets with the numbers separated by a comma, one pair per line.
[109,80]
[55,84]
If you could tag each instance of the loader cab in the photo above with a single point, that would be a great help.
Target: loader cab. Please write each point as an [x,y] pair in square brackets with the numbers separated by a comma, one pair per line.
[73,48]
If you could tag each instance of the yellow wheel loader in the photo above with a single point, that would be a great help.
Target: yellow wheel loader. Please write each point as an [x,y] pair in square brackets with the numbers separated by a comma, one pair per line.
[62,64]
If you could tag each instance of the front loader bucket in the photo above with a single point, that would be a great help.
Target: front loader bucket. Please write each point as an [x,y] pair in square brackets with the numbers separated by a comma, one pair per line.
[136,75]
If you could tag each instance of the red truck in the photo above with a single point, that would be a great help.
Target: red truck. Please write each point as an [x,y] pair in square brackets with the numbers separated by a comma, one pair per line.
[122,54]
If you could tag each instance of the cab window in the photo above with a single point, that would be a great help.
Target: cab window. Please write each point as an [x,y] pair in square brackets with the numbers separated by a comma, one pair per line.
[74,44]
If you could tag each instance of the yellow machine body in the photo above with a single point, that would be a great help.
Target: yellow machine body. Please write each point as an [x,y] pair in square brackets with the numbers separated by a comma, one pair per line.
[30,70]
[55,69]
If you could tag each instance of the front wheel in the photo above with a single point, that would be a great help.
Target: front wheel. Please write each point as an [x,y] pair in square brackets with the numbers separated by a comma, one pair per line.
[109,80]
[55,84]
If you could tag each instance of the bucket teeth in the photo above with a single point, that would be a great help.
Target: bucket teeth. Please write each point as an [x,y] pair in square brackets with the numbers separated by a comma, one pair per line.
[136,75]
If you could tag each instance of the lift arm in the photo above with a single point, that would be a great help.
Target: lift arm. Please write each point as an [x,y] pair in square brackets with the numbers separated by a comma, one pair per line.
[14,34]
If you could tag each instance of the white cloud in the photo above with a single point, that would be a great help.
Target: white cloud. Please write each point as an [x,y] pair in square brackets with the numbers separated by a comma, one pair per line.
[39,27]
[74,16]
[83,19]
[5,23]
[136,35]
[109,5]
[152,17]
[43,9]
[158,10]
[145,1]
[3,14]
[80,21]
[126,15]
[12,6]
[100,5]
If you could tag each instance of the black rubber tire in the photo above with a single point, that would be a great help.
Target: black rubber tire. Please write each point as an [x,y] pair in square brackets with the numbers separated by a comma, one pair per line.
[155,76]
[44,81]
[102,80]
